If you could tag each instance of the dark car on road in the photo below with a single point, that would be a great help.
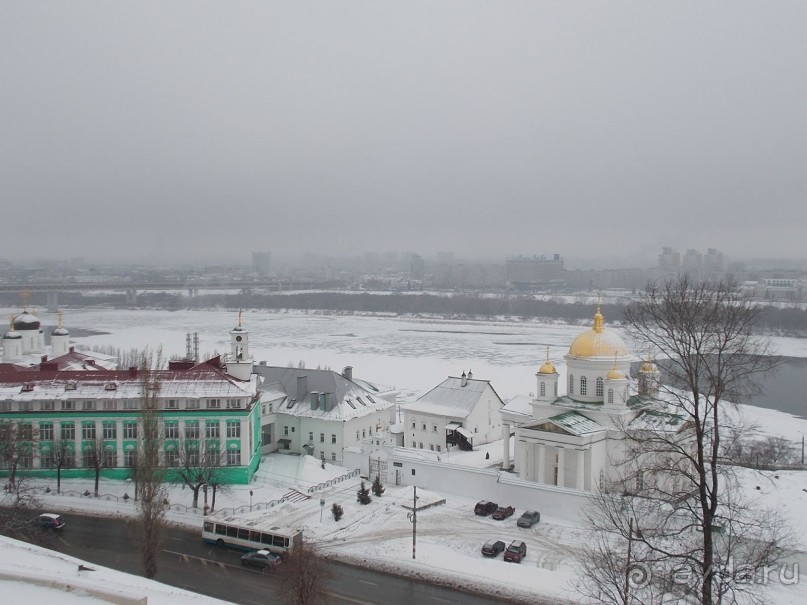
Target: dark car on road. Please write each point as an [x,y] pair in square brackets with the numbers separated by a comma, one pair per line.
[529,518]
[516,551]
[485,508]
[261,558]
[49,521]
[492,548]
[503,512]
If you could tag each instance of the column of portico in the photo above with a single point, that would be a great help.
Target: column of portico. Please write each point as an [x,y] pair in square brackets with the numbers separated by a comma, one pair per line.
[581,466]
[541,477]
[506,446]
[119,442]
[561,467]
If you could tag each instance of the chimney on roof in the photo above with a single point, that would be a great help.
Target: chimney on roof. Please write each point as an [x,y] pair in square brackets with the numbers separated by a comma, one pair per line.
[348,372]
[463,380]
[314,400]
[470,375]
[72,349]
[44,358]
[132,371]
[90,362]
[302,387]
[324,402]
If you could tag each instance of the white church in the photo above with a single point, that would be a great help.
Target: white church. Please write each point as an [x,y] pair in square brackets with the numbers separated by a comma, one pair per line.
[572,440]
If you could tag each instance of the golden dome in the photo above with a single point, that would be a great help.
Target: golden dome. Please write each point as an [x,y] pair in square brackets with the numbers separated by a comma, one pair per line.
[616,374]
[648,367]
[547,368]
[598,342]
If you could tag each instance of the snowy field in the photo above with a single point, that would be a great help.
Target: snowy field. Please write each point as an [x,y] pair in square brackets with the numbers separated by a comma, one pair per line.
[413,355]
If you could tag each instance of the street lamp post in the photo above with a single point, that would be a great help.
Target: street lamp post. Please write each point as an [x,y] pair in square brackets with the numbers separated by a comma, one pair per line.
[250,500]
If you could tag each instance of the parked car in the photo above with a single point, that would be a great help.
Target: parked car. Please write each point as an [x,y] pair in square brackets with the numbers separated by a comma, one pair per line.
[492,548]
[49,521]
[261,558]
[529,518]
[485,508]
[516,551]
[503,512]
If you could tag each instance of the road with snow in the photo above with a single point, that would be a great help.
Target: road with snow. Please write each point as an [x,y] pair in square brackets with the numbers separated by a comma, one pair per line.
[187,562]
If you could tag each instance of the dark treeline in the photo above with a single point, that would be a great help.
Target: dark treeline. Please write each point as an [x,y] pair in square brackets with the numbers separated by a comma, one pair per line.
[788,322]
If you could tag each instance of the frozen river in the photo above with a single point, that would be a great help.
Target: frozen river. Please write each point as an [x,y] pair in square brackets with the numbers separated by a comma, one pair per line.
[412,354]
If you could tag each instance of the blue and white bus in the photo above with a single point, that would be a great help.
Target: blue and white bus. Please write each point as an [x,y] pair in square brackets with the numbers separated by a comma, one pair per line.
[253,531]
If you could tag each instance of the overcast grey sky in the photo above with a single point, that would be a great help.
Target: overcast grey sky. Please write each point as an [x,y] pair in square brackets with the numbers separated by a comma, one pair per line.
[205,129]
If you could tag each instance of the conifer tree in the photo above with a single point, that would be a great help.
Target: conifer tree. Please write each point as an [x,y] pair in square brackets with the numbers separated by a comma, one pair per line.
[363,495]
[378,488]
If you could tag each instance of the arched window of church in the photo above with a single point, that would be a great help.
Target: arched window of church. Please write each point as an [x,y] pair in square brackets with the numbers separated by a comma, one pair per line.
[610,395]
[571,384]
[583,385]
[599,387]
[543,389]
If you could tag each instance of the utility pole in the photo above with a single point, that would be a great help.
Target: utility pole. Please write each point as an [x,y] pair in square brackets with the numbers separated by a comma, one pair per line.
[414,519]
[627,565]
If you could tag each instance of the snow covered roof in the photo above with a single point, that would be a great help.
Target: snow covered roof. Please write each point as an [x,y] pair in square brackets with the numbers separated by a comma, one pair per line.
[569,422]
[49,382]
[345,398]
[520,404]
[451,397]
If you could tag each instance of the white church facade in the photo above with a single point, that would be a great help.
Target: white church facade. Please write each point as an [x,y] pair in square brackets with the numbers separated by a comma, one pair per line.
[572,440]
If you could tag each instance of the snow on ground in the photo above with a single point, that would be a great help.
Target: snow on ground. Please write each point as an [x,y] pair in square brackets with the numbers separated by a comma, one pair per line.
[31,574]
[413,354]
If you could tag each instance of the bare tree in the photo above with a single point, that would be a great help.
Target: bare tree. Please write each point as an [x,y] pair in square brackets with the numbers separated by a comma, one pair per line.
[17,503]
[149,475]
[674,512]
[16,447]
[198,465]
[305,573]
[62,457]
[99,457]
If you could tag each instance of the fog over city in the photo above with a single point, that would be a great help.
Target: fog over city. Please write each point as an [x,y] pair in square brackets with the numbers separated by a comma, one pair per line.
[204,130]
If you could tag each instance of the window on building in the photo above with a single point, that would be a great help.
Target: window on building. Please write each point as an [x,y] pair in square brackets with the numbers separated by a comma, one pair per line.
[88,458]
[543,389]
[233,429]
[110,405]
[192,404]
[333,456]
[172,404]
[583,385]
[68,406]
[571,384]
[213,404]
[87,405]
[191,429]
[431,446]
[292,429]
[46,406]
[131,404]
[438,448]
[23,406]
[26,460]
[333,437]
[420,445]
[45,431]
[310,436]
[171,458]
[424,426]
[129,457]
[110,430]
[413,425]
[322,437]
[110,458]
[46,460]
[172,429]
[363,433]
[233,457]
[610,395]
[286,430]
[598,387]
[5,406]
[233,404]
[68,431]
[434,428]
[414,444]
[212,429]
[130,430]
[413,472]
